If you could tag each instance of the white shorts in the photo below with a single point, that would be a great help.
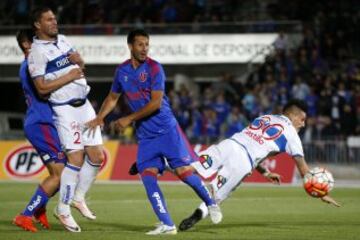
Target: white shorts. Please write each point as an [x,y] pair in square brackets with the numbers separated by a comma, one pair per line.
[70,123]
[228,162]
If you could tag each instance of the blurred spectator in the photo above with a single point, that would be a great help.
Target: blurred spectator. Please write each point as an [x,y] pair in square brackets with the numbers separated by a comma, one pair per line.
[300,89]
[222,108]
[281,43]
[236,121]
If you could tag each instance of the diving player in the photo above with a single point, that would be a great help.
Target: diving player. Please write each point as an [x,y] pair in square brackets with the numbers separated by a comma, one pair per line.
[236,157]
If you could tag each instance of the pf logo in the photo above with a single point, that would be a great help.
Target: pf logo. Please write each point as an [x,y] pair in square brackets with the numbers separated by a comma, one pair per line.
[23,162]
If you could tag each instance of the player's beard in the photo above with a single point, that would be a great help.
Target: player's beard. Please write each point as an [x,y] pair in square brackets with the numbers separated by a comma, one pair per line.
[52,33]
[138,58]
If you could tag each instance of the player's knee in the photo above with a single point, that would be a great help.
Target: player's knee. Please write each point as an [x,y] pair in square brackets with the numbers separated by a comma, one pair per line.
[55,179]
[96,157]
[184,170]
[100,157]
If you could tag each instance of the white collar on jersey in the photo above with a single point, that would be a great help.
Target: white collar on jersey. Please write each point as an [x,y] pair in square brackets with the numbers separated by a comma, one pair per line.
[37,40]
[284,117]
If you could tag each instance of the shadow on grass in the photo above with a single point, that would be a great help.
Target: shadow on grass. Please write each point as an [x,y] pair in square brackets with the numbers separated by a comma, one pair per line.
[6,226]
[212,228]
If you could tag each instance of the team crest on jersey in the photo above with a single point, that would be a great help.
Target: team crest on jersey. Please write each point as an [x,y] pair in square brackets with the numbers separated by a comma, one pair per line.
[221,181]
[143,76]
[206,161]
[61,155]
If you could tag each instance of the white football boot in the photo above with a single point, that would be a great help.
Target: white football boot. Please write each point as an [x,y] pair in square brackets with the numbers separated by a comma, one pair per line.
[215,213]
[163,229]
[67,221]
[83,209]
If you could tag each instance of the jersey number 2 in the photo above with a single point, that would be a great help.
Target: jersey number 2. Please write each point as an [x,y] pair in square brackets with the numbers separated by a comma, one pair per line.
[77,138]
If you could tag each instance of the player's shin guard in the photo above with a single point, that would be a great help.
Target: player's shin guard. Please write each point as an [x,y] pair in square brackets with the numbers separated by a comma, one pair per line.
[87,176]
[156,197]
[38,200]
[197,184]
[68,183]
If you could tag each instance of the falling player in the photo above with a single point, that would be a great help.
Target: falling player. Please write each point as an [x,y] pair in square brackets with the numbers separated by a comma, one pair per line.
[235,158]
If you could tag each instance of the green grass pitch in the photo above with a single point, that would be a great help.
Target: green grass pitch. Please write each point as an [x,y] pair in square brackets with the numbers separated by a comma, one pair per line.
[250,213]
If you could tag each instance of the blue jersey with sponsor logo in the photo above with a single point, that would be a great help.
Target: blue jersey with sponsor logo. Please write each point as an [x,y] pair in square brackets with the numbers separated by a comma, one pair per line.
[136,85]
[38,110]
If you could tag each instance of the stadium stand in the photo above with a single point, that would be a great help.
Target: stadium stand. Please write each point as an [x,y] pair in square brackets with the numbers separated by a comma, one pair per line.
[321,68]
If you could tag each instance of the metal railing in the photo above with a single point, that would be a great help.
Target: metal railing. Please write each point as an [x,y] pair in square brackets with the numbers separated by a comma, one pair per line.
[327,151]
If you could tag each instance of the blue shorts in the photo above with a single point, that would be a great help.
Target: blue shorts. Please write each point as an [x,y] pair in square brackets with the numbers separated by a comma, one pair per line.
[172,145]
[45,140]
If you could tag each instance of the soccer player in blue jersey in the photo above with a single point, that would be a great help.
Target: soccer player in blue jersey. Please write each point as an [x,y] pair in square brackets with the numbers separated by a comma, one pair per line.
[41,132]
[142,81]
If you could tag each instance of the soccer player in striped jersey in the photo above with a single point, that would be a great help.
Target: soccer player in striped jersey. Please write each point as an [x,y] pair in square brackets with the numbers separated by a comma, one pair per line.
[234,158]
[41,132]
[52,57]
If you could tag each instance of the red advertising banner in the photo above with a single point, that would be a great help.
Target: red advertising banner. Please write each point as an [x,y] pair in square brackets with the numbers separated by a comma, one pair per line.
[19,161]
[282,164]
[126,156]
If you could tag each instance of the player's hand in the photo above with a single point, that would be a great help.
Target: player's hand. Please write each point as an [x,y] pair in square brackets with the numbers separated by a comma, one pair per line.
[76,73]
[122,123]
[75,58]
[330,200]
[93,124]
[273,177]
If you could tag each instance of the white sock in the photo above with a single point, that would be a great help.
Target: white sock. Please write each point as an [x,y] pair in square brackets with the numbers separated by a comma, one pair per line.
[204,209]
[87,176]
[69,178]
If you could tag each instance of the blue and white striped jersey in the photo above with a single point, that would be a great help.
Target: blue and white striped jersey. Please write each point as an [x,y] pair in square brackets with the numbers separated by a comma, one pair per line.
[50,59]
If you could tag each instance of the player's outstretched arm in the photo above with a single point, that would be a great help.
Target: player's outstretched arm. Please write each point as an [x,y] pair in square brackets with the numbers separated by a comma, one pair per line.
[44,87]
[301,165]
[153,105]
[107,106]
[330,200]
[271,176]
[303,169]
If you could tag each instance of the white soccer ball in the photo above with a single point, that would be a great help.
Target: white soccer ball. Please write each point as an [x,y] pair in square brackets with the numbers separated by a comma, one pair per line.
[318,182]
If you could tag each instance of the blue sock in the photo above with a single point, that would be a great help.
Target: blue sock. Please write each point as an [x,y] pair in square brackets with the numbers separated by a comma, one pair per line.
[156,197]
[195,183]
[38,200]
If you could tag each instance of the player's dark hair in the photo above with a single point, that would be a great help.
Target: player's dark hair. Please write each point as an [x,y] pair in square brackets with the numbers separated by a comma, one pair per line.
[300,104]
[24,35]
[134,33]
[37,13]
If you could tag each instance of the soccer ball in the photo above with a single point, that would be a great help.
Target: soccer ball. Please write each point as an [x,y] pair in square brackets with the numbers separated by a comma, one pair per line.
[318,182]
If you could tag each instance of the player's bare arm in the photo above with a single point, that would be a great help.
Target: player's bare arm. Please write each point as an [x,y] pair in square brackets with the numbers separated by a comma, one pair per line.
[301,165]
[107,106]
[148,109]
[76,58]
[271,176]
[303,169]
[44,87]
[330,200]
